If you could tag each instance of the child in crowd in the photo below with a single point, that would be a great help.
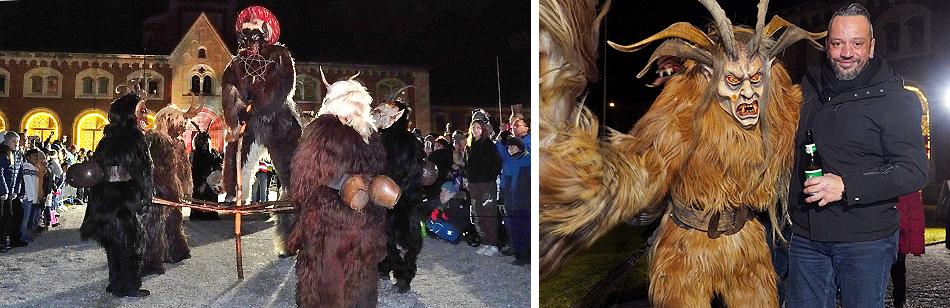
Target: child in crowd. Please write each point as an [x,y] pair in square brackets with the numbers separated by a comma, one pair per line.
[35,174]
[451,217]
[516,196]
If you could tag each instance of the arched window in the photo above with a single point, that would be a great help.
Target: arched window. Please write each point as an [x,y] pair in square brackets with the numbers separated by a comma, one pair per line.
[202,53]
[87,85]
[307,89]
[88,130]
[207,86]
[36,84]
[41,123]
[202,80]
[95,83]
[103,84]
[892,33]
[4,85]
[915,32]
[152,81]
[195,84]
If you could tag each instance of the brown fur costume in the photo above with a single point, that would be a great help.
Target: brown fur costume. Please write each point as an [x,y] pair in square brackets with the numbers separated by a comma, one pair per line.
[338,247]
[165,235]
[685,150]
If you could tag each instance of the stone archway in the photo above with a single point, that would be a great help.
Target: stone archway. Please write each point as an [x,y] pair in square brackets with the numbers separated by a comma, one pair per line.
[210,121]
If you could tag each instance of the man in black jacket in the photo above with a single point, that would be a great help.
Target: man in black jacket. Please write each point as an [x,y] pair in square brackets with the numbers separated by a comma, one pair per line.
[867,130]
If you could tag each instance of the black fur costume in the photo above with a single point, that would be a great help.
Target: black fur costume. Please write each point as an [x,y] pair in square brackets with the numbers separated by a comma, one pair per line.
[204,161]
[262,76]
[112,214]
[404,157]
[339,247]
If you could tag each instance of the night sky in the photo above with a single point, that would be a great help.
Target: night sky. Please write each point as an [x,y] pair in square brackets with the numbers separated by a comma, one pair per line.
[457,40]
[629,22]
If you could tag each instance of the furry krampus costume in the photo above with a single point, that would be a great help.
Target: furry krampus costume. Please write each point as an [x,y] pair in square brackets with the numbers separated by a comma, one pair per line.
[165,236]
[206,165]
[404,158]
[339,247]
[115,203]
[702,155]
[257,88]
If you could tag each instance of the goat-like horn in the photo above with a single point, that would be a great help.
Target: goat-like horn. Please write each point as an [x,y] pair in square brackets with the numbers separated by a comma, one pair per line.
[791,35]
[324,78]
[354,76]
[194,109]
[683,30]
[759,24]
[197,128]
[723,24]
[678,48]
[392,95]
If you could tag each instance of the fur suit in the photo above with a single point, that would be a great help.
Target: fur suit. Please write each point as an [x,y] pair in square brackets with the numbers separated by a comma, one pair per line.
[165,235]
[338,247]
[404,158]
[261,76]
[116,203]
[205,161]
[715,147]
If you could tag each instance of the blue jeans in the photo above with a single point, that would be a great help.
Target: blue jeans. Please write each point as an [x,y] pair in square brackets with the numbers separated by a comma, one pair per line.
[779,251]
[858,271]
[25,223]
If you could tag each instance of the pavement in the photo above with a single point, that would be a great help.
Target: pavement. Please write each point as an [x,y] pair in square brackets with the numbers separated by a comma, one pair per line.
[60,270]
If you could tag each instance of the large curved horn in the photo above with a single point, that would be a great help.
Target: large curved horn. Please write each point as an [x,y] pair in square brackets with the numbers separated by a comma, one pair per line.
[723,24]
[324,78]
[392,95]
[354,76]
[197,128]
[678,48]
[791,34]
[759,24]
[194,109]
[683,30]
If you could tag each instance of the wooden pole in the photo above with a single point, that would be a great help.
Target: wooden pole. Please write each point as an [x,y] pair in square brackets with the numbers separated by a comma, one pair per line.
[239,202]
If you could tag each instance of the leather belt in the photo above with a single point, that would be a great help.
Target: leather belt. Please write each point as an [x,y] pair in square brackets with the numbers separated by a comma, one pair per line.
[715,223]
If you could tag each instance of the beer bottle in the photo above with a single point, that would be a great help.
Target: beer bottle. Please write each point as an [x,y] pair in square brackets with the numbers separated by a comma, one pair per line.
[812,159]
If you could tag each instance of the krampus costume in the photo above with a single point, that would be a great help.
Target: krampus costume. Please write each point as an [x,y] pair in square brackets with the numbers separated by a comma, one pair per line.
[257,88]
[165,236]
[404,157]
[715,147]
[339,245]
[206,165]
[117,201]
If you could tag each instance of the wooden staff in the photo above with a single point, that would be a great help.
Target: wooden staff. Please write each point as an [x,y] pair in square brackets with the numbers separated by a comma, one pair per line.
[240,200]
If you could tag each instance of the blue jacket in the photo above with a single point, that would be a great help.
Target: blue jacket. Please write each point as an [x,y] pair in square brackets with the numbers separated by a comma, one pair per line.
[11,163]
[516,181]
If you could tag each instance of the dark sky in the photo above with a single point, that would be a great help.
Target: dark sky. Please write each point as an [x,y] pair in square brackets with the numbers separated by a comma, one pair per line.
[457,40]
[629,22]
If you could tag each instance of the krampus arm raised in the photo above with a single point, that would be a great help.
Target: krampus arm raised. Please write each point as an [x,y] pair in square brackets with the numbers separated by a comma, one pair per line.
[587,185]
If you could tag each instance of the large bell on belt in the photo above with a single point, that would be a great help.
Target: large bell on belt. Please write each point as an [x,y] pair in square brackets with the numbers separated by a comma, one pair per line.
[84,174]
[430,172]
[384,192]
[354,192]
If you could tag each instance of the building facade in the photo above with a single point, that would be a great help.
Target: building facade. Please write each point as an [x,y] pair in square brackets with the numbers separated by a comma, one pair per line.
[54,94]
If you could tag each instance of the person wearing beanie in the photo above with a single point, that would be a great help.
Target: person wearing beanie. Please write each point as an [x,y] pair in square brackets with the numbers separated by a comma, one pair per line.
[516,197]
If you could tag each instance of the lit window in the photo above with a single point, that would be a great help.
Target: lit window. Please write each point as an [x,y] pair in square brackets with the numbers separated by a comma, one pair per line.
[52,84]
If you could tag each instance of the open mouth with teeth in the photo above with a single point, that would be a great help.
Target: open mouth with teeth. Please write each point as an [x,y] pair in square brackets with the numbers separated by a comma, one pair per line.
[747,110]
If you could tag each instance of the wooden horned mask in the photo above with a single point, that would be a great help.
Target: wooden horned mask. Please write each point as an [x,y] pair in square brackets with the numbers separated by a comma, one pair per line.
[735,60]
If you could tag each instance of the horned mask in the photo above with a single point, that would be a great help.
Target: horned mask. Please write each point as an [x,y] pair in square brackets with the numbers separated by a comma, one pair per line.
[390,110]
[734,60]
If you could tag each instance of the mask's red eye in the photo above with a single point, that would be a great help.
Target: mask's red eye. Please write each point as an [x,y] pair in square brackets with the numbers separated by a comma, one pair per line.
[732,80]
[755,78]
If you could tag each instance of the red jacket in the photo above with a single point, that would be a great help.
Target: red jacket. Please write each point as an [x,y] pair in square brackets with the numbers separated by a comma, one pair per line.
[912,224]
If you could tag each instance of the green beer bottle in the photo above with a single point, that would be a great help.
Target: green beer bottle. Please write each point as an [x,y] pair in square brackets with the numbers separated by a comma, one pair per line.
[812,159]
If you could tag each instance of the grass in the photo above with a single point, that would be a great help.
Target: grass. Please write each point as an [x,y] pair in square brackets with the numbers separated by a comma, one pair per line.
[584,270]
[935,235]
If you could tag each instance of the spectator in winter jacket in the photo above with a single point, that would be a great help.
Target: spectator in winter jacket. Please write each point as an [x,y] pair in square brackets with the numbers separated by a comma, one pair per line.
[911,240]
[11,210]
